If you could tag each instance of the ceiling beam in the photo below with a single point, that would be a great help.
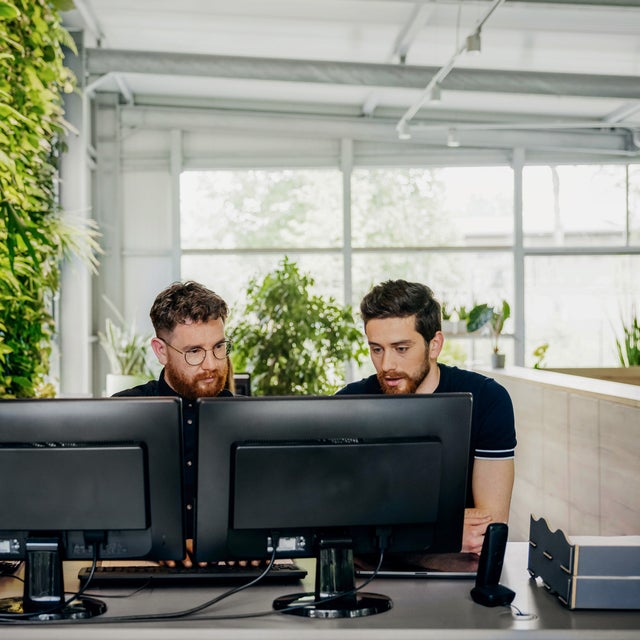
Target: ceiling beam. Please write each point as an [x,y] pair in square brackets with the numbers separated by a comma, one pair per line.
[610,143]
[103,61]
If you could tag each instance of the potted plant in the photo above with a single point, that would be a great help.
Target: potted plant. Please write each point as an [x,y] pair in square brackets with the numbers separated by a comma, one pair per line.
[494,317]
[629,347]
[291,341]
[539,354]
[128,354]
[448,325]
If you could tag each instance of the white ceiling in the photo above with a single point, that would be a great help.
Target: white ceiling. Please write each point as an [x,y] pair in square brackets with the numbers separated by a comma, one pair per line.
[555,65]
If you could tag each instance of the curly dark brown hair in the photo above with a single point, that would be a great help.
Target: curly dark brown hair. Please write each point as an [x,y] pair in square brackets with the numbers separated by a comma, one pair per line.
[184,302]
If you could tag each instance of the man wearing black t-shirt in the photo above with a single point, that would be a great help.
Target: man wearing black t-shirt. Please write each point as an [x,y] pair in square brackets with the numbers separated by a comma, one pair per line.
[403,326]
[190,343]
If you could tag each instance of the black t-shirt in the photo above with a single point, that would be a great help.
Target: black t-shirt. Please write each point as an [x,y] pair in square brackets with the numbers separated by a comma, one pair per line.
[189,438]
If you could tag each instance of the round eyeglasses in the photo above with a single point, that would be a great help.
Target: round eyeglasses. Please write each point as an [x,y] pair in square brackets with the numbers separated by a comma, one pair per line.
[196,355]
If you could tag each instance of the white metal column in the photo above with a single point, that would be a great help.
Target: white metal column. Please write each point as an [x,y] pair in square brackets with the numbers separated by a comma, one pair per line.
[73,362]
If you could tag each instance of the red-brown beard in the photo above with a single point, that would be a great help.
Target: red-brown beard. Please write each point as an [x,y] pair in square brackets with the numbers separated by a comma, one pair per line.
[191,387]
[412,383]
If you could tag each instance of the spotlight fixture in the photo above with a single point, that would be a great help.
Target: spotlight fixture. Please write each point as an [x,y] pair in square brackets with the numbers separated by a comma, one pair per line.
[452,138]
[403,131]
[436,94]
[474,43]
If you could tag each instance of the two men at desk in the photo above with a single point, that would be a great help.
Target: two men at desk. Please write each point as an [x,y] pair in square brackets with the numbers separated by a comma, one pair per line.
[402,322]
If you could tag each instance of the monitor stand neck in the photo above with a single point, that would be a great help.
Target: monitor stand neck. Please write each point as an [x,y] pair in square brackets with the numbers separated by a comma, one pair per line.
[43,597]
[334,595]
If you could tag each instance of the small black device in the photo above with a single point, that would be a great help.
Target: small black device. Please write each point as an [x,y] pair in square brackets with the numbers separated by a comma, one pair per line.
[488,591]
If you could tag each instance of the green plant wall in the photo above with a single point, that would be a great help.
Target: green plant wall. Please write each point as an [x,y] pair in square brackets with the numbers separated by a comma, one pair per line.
[34,236]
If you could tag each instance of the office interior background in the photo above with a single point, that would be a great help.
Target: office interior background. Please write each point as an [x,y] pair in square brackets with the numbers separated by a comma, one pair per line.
[365,140]
[489,149]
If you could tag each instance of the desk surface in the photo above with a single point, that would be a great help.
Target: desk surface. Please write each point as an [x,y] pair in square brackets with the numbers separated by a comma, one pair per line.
[423,609]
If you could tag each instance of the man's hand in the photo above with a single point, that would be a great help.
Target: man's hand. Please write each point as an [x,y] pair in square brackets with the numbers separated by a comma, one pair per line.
[476,522]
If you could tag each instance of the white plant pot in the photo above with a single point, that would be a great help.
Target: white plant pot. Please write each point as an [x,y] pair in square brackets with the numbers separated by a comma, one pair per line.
[119,382]
[497,360]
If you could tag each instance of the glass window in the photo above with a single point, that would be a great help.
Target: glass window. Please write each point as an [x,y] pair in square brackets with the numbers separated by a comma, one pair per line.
[456,278]
[260,209]
[574,205]
[575,304]
[450,228]
[229,274]
[457,206]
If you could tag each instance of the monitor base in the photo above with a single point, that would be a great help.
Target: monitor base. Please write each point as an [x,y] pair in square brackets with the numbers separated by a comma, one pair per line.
[335,595]
[354,606]
[82,607]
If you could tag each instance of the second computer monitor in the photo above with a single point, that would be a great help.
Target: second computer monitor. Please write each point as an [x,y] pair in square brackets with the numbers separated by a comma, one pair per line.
[378,471]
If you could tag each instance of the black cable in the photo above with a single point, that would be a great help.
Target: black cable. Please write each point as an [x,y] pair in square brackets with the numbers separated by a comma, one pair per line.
[190,612]
[336,596]
[156,616]
[342,594]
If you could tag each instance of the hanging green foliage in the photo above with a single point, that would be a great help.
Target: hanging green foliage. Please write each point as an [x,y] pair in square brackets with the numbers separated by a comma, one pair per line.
[34,235]
[292,341]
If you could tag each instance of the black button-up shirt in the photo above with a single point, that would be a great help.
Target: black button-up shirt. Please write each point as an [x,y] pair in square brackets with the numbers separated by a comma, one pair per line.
[189,439]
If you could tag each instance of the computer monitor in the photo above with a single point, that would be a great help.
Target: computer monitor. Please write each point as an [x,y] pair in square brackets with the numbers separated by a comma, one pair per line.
[330,477]
[84,479]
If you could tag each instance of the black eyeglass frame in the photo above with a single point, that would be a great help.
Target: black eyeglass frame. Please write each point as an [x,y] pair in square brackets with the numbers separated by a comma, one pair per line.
[228,345]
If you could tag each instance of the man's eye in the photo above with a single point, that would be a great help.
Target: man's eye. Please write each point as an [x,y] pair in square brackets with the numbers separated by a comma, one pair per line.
[402,349]
[195,350]
[376,350]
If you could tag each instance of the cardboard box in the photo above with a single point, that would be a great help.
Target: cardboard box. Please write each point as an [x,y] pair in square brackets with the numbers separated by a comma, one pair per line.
[586,572]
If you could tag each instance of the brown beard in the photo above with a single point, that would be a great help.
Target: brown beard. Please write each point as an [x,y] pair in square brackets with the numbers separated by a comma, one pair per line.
[191,387]
[412,383]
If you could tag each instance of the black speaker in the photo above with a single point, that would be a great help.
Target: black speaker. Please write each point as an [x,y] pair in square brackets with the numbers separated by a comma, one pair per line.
[488,590]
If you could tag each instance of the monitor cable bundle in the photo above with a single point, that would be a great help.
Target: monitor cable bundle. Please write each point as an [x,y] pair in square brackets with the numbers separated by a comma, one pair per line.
[320,603]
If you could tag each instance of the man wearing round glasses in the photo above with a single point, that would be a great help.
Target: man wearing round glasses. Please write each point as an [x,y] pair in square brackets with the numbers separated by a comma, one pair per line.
[191,345]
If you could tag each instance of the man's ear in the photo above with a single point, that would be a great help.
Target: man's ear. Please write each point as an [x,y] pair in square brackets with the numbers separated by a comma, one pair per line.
[436,344]
[160,349]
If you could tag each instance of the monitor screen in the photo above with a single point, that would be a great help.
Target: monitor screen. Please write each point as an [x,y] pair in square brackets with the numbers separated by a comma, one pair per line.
[84,479]
[300,473]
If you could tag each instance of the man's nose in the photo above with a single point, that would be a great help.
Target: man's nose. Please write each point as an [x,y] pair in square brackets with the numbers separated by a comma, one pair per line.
[210,361]
[388,361]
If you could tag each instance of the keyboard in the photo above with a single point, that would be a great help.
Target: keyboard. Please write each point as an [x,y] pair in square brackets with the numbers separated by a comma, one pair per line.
[209,576]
